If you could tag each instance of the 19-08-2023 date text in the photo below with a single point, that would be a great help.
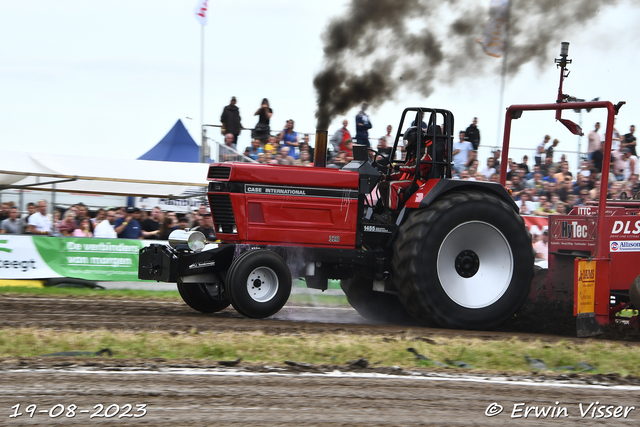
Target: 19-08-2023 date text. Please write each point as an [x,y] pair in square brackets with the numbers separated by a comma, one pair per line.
[71,411]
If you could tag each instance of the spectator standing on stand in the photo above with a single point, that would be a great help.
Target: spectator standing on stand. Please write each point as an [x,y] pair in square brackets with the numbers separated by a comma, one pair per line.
[363,124]
[489,169]
[473,157]
[129,227]
[389,138]
[339,138]
[385,150]
[473,134]
[199,214]
[82,212]
[4,211]
[631,166]
[39,222]
[304,145]
[262,129]
[230,120]
[255,149]
[84,230]
[289,138]
[550,149]
[629,141]
[68,224]
[98,218]
[461,150]
[207,228]
[13,224]
[104,229]
[228,150]
[151,225]
[540,150]
[594,141]
[31,209]
[166,228]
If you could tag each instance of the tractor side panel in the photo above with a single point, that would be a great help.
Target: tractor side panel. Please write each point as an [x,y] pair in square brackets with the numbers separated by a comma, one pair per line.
[284,205]
[575,233]
[624,250]
[310,221]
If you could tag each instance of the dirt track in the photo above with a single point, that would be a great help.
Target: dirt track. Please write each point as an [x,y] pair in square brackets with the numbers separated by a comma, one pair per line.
[202,393]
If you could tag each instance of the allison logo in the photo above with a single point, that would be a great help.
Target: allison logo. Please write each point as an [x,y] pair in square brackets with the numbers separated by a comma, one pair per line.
[625,246]
[4,242]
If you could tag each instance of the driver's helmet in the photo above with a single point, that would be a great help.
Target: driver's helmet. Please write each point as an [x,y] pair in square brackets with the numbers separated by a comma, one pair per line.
[410,136]
[410,139]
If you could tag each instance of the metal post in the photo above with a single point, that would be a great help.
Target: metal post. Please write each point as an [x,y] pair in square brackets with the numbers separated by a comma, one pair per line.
[202,148]
[579,162]
[504,74]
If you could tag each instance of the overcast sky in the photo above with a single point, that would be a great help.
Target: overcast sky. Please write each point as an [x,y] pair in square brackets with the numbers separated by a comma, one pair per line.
[110,78]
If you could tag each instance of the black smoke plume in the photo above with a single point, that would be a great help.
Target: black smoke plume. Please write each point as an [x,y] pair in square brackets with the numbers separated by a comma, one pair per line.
[380,46]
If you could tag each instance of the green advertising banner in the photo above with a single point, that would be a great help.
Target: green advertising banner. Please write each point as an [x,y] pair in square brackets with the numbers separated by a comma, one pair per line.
[91,259]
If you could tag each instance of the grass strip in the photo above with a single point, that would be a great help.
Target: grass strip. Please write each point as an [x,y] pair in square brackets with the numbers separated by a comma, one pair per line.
[88,292]
[259,347]
[313,299]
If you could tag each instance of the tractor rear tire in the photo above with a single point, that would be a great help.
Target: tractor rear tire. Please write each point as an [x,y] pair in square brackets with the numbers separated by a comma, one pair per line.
[258,283]
[372,305]
[200,298]
[634,293]
[464,262]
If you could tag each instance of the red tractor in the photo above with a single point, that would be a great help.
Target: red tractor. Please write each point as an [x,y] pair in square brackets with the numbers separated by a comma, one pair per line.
[455,253]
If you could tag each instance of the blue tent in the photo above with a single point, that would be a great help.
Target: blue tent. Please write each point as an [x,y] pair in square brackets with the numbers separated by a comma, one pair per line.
[176,146]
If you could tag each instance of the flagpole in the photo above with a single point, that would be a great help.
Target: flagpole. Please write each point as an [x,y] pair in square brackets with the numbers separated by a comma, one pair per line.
[504,77]
[202,130]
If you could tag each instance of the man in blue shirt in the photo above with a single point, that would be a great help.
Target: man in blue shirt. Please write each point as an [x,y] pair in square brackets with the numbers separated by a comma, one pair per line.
[129,226]
[362,126]
[255,149]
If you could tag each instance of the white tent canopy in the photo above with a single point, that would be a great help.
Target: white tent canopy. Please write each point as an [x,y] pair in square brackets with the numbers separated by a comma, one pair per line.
[94,175]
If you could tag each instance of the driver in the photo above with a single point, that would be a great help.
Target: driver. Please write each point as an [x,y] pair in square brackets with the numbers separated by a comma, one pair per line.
[391,187]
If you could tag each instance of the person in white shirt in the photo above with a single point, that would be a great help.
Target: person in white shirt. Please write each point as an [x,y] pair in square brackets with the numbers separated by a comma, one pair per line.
[527,207]
[489,169]
[631,164]
[105,228]
[541,150]
[461,151]
[594,140]
[39,222]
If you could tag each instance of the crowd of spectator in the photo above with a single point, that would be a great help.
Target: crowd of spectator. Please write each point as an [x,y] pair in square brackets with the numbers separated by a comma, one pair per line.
[286,146]
[545,187]
[122,222]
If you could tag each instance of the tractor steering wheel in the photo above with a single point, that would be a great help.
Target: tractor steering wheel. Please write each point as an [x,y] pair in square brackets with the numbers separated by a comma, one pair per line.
[387,173]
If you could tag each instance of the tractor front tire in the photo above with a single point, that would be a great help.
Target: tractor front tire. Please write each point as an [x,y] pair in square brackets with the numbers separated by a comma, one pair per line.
[201,297]
[258,283]
[372,305]
[464,262]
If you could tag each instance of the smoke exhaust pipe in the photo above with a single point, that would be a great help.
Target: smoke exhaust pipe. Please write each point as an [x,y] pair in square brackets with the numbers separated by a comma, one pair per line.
[320,156]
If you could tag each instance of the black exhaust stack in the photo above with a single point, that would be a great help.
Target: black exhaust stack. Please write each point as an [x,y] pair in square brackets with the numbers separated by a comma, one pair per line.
[320,156]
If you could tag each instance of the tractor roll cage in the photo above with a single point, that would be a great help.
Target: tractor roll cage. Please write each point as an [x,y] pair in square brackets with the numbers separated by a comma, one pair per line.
[442,141]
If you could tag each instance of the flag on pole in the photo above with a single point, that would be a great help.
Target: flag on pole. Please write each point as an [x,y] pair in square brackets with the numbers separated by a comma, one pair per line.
[201,11]
[493,37]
